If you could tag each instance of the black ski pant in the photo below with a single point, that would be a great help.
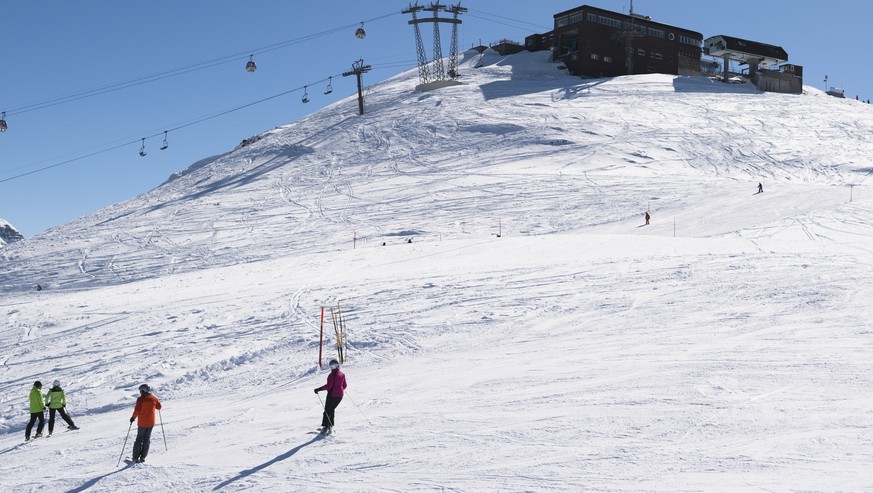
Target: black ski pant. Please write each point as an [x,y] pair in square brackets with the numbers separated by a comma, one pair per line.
[33,417]
[329,406]
[64,416]
[141,445]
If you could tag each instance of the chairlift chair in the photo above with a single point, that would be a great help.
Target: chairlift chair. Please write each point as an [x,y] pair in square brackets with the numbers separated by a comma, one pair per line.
[142,151]
[329,88]
[165,144]
[250,66]
[3,122]
[360,33]
[305,95]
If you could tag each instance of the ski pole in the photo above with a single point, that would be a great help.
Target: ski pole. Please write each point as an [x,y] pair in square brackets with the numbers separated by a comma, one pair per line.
[162,429]
[125,444]
[359,409]
[324,410]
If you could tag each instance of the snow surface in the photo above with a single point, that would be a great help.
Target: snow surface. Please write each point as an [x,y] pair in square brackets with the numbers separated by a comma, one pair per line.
[725,347]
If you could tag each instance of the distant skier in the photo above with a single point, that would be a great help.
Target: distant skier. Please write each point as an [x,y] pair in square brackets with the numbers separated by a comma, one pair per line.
[39,287]
[760,188]
[57,402]
[648,217]
[37,411]
[145,408]
[336,383]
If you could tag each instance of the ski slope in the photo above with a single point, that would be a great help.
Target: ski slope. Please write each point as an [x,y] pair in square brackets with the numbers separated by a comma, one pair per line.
[535,335]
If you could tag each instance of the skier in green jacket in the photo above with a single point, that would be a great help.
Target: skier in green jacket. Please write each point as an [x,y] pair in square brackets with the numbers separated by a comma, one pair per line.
[57,402]
[37,409]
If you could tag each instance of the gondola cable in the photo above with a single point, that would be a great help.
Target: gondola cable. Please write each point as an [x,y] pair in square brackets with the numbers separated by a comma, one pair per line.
[116,86]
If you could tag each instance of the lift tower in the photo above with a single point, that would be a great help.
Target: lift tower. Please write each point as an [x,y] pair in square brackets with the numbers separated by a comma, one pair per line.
[358,70]
[432,74]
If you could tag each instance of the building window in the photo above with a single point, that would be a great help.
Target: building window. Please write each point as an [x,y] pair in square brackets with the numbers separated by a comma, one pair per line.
[592,17]
[656,33]
[561,22]
[607,59]
[577,17]
[606,21]
[641,52]
[689,40]
[657,56]
[595,56]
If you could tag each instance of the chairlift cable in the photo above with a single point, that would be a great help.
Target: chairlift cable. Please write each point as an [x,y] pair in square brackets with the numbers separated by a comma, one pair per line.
[164,132]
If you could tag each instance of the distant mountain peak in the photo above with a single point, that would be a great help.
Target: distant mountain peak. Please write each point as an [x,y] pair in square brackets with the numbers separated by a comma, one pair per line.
[8,234]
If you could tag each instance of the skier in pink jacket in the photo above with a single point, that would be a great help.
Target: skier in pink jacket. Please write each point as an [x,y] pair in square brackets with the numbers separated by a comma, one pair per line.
[336,382]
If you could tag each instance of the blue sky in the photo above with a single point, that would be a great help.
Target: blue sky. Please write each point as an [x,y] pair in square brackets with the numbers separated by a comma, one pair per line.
[57,49]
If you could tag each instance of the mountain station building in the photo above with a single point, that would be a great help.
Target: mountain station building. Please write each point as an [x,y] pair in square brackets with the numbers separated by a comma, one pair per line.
[593,42]
[600,43]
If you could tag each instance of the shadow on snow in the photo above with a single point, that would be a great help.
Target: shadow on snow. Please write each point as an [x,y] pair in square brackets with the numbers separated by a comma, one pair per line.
[248,472]
[94,481]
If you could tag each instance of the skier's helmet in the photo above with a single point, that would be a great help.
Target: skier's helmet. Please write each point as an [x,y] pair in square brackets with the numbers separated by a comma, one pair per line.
[37,384]
[334,364]
[144,389]
[56,383]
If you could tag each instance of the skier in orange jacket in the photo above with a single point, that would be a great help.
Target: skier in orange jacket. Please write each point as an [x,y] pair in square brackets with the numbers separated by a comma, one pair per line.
[145,408]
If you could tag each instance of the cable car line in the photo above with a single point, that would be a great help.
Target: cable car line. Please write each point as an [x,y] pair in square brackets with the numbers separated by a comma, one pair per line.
[173,129]
[406,64]
[538,26]
[116,86]
[125,84]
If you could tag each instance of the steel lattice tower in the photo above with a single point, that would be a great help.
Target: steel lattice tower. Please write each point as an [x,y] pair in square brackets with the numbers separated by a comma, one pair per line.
[434,71]
[453,52]
[437,46]
[423,71]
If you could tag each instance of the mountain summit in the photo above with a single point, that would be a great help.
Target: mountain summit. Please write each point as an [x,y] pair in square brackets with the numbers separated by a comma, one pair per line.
[520,143]
[8,234]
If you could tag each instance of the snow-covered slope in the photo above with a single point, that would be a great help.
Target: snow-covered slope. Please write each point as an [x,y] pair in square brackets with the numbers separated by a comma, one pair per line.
[533,336]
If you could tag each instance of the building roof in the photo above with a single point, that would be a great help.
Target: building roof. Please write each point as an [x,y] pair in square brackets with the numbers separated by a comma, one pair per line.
[635,18]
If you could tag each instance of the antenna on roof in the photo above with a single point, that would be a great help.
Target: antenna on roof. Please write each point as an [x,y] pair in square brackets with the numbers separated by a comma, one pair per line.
[625,35]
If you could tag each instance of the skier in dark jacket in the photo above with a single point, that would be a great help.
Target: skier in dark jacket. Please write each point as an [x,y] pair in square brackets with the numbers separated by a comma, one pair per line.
[37,411]
[56,401]
[145,408]
[336,383]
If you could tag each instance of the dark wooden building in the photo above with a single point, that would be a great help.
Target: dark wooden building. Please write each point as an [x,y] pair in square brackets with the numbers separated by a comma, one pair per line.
[600,43]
